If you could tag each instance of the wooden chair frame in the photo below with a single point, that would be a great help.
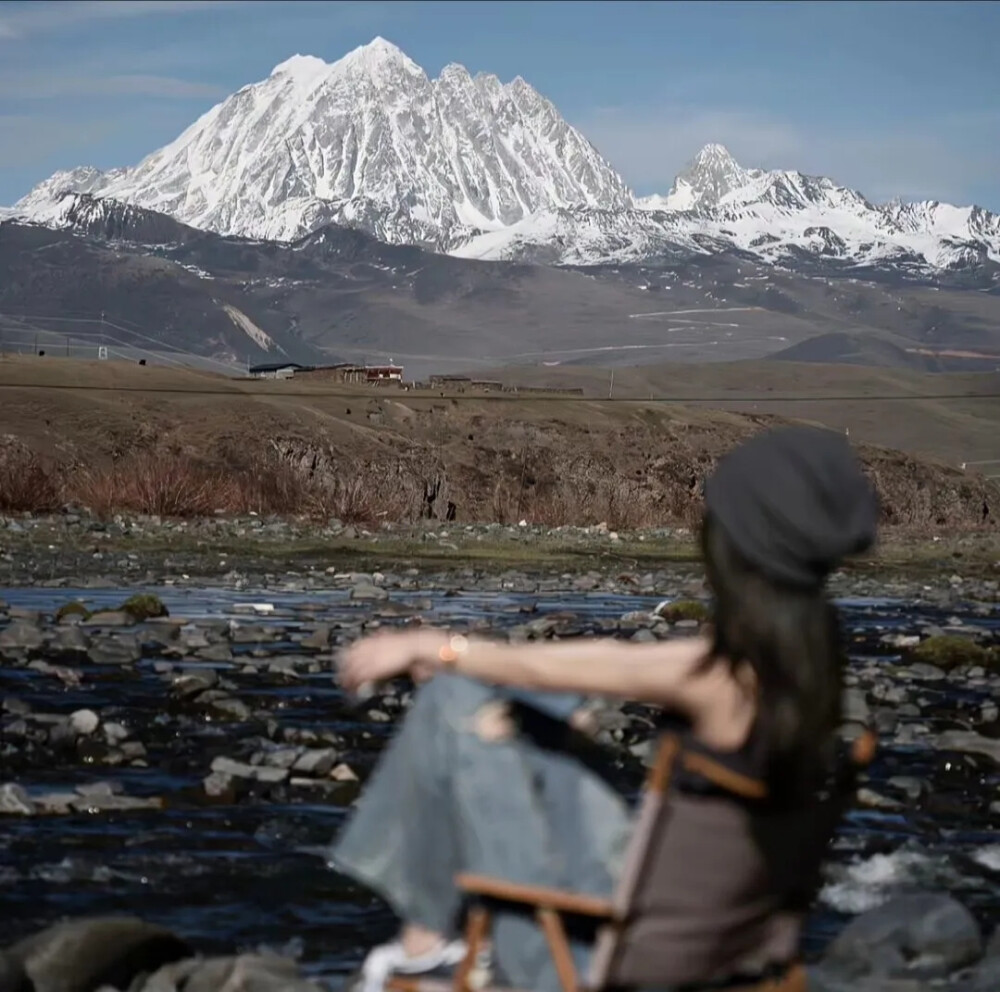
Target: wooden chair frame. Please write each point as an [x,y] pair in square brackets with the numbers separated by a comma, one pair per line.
[552,905]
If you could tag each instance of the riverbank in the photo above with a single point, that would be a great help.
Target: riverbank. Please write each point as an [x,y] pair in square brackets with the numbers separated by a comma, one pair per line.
[188,758]
[75,548]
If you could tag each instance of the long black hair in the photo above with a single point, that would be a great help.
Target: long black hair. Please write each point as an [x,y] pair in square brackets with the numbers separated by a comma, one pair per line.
[790,636]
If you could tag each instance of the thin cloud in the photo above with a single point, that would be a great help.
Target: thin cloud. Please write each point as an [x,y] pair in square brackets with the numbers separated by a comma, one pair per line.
[26,140]
[42,87]
[41,17]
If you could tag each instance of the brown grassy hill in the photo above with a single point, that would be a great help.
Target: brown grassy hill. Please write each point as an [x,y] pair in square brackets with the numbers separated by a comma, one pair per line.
[173,441]
[952,417]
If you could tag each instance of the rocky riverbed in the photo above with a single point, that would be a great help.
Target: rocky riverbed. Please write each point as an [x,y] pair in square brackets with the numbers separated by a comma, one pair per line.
[174,743]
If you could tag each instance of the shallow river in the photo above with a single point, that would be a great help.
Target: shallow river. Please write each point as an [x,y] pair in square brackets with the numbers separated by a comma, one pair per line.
[254,874]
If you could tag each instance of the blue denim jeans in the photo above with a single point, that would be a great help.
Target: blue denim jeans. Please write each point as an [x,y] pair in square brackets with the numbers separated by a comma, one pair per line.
[444,800]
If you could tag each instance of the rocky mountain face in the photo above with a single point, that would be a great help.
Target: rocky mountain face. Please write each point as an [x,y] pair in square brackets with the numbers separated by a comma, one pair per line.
[369,141]
[472,166]
[777,217]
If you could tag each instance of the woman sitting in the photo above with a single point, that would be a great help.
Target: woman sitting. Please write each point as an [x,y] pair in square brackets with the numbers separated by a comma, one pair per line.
[484,775]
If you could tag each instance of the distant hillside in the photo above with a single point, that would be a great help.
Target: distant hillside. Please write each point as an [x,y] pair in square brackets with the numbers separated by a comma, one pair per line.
[550,460]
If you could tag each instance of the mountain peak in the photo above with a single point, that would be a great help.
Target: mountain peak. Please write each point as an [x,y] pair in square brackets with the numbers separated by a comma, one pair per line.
[366,141]
[707,178]
[300,68]
[715,154]
[376,54]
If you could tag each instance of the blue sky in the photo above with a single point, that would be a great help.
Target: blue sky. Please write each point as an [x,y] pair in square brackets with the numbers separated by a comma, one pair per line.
[891,98]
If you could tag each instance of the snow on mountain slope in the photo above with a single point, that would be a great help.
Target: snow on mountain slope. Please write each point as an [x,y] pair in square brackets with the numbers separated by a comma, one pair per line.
[368,141]
[710,176]
[780,217]
[469,165]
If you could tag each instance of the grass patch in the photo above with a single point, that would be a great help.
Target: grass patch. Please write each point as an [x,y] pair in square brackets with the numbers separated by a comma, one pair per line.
[685,609]
[72,609]
[144,606]
[948,651]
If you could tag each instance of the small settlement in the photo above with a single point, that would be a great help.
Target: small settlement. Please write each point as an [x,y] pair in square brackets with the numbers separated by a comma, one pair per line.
[342,372]
[346,373]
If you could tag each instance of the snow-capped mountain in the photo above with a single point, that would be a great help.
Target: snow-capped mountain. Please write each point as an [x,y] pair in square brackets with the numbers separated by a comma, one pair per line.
[777,216]
[481,169]
[710,176]
[367,141]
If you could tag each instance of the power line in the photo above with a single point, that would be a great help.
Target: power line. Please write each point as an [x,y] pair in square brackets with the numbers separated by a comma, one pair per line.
[164,349]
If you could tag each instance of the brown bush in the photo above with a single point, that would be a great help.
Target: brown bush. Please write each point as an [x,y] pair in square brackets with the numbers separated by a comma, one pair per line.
[166,485]
[26,484]
[639,481]
[179,485]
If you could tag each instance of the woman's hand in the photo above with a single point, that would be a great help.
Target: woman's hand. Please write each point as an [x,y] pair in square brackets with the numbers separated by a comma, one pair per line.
[391,653]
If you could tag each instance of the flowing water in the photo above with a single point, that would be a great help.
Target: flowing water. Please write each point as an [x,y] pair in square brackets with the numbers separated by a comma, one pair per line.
[254,873]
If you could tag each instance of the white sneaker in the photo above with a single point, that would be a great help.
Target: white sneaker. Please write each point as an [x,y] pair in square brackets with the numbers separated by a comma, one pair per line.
[389,959]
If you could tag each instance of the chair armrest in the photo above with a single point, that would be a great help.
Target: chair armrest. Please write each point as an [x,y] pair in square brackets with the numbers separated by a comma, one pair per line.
[535,895]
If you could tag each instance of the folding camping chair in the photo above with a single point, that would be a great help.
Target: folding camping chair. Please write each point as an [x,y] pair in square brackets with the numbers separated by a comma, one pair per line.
[798,840]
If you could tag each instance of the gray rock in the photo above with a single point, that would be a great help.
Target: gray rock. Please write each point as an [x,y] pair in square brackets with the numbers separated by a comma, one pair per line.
[368,593]
[68,642]
[228,707]
[121,649]
[58,803]
[985,977]
[912,788]
[21,636]
[84,722]
[106,803]
[84,954]
[99,789]
[855,706]
[115,733]
[110,618]
[217,784]
[189,684]
[316,761]
[967,740]
[220,652]
[920,936]
[875,800]
[821,981]
[245,973]
[257,773]
[15,800]
[318,640]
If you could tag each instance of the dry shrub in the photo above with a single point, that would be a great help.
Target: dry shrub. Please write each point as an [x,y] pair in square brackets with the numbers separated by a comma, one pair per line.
[165,485]
[26,484]
[179,485]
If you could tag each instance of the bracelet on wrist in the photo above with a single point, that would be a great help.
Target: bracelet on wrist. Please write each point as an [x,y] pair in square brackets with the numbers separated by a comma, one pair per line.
[453,649]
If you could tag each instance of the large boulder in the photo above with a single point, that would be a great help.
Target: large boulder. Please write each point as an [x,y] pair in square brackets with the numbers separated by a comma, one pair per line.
[13,977]
[916,938]
[82,955]
[243,973]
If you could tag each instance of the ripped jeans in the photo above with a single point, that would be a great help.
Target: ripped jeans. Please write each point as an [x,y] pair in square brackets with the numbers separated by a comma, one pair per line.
[446,798]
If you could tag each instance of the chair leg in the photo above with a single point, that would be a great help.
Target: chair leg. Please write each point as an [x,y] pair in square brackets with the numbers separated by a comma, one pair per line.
[555,935]
[477,929]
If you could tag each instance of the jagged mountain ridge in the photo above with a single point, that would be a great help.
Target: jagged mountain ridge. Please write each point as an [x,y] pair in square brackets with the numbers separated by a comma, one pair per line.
[487,170]
[783,217]
[368,141]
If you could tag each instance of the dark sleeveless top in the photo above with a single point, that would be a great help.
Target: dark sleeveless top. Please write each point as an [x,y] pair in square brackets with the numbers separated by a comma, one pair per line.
[728,879]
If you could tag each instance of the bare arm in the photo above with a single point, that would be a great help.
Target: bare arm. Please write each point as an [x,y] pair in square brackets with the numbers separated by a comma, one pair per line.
[659,672]
[665,673]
